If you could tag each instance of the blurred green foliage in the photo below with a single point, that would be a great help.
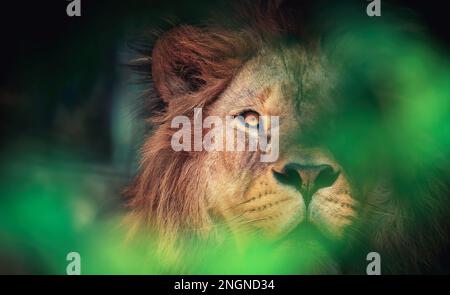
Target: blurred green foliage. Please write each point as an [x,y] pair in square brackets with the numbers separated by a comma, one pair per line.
[47,209]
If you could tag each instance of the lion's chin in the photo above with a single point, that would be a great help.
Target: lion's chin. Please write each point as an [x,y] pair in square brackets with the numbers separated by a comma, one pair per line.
[306,250]
[305,232]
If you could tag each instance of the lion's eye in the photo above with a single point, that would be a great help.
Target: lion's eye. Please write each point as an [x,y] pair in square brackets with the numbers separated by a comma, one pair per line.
[250,119]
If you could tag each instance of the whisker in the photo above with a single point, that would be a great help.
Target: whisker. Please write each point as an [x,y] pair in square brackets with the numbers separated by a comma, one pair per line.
[379,209]
[240,204]
[253,220]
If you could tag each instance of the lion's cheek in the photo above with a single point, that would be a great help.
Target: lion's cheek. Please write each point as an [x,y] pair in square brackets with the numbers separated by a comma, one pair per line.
[332,213]
[264,211]
[280,221]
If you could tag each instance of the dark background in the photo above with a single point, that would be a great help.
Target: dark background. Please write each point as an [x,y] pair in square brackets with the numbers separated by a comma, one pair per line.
[59,74]
[65,89]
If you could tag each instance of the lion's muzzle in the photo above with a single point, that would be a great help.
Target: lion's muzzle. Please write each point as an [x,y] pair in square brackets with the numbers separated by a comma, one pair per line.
[308,179]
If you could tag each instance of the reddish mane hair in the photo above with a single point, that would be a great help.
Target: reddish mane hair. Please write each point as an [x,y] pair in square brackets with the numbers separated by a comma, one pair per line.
[190,67]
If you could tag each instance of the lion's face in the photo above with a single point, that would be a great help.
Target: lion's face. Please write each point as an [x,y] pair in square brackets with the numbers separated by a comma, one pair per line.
[305,184]
[341,168]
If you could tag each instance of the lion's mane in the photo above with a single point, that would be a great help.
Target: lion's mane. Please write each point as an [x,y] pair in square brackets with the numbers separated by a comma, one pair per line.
[167,196]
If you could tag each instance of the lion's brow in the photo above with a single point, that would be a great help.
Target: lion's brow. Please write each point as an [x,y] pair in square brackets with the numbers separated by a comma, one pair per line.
[259,97]
[243,97]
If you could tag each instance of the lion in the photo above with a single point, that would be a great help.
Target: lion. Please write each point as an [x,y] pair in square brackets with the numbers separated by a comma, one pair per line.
[333,181]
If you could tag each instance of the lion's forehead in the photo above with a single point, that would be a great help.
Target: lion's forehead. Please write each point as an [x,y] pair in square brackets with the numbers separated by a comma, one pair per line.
[296,80]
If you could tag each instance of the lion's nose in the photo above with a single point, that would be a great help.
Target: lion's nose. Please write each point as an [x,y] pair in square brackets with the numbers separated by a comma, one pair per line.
[308,179]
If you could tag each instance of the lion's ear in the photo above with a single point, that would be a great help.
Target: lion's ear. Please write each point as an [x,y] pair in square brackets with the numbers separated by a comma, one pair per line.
[173,65]
[186,59]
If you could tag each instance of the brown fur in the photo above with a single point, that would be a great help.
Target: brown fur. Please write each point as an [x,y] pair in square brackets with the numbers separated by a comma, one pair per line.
[176,193]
